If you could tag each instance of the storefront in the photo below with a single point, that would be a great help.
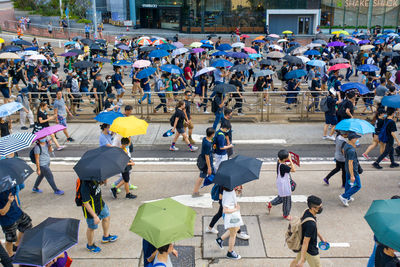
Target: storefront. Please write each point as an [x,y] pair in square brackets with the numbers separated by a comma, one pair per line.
[160,16]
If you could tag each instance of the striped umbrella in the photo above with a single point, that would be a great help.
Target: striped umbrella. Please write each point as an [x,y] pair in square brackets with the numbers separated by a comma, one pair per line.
[15,142]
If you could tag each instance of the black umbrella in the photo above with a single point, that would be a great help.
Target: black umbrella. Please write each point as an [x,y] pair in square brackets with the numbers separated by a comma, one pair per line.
[83,64]
[102,59]
[22,42]
[290,49]
[101,163]
[237,171]
[76,51]
[390,54]
[76,38]
[351,48]
[268,62]
[224,88]
[293,60]
[147,48]
[101,41]
[87,41]
[12,48]
[269,38]
[96,47]
[46,241]
[363,36]
[320,36]
[13,171]
[240,67]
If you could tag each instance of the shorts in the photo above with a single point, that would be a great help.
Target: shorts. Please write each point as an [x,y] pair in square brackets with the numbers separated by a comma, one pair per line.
[120,90]
[125,176]
[15,80]
[330,119]
[188,125]
[22,224]
[313,261]
[180,130]
[5,92]
[104,213]
[203,175]
[62,120]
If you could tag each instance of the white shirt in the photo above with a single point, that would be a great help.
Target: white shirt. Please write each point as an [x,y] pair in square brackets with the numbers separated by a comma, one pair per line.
[229,199]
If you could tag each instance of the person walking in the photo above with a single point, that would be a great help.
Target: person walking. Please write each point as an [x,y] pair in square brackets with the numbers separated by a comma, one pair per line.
[221,144]
[119,85]
[353,169]
[105,138]
[379,119]
[61,111]
[26,111]
[160,88]
[42,152]
[87,31]
[43,122]
[161,257]
[283,184]
[217,107]
[339,159]
[309,235]
[188,121]
[50,27]
[99,91]
[330,115]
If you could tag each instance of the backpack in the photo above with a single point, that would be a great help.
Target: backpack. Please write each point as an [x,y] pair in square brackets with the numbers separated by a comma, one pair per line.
[113,80]
[215,192]
[32,153]
[214,106]
[323,104]
[293,234]
[157,86]
[172,119]
[78,197]
[383,135]
[279,73]
[341,111]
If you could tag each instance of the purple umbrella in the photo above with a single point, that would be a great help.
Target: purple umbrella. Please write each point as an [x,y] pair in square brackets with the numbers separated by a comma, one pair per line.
[196,50]
[123,47]
[362,42]
[48,131]
[178,44]
[337,43]
[239,55]
[69,54]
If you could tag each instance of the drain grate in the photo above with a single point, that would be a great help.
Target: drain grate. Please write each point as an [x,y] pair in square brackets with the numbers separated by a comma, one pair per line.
[238,242]
[185,257]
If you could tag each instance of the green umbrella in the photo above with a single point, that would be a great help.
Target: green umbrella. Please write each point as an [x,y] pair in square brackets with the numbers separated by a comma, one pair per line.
[163,222]
[384,219]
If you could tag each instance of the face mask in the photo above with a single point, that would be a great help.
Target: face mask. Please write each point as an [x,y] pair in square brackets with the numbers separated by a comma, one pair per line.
[109,80]
[320,210]
[42,140]
[358,143]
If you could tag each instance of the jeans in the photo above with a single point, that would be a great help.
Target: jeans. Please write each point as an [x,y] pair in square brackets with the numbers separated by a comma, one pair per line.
[388,151]
[349,73]
[218,117]
[163,103]
[238,104]
[147,95]
[46,172]
[371,261]
[351,190]
[315,102]
[217,216]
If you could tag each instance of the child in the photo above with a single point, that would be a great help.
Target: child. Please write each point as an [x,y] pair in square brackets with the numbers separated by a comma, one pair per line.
[125,174]
[283,184]
[5,127]
[180,130]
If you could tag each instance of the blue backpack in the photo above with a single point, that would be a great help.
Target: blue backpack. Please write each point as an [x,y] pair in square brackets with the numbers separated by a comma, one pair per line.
[215,192]
[383,135]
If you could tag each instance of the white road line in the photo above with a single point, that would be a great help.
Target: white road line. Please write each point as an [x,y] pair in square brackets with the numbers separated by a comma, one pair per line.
[339,245]
[198,138]
[265,199]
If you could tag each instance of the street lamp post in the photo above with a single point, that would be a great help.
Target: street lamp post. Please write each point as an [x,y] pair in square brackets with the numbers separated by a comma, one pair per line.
[369,21]
[61,12]
[94,19]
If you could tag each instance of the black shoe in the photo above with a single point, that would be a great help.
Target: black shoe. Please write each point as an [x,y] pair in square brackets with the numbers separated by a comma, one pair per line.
[24,128]
[15,248]
[70,139]
[32,125]
[394,165]
[114,192]
[219,242]
[376,165]
[130,196]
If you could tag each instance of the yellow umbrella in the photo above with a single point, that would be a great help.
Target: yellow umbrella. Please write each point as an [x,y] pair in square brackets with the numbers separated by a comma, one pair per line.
[366,47]
[1,40]
[129,126]
[287,32]
[196,44]
[340,32]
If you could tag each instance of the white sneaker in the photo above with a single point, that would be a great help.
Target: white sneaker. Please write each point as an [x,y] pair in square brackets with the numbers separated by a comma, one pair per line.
[351,199]
[344,201]
[331,138]
[211,231]
[193,149]
[243,236]
[173,148]
[120,102]
[206,112]
[240,114]
[324,137]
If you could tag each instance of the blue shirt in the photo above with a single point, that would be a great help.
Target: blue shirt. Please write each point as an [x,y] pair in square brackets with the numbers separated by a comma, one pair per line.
[220,142]
[14,213]
[350,154]
[206,149]
[87,28]
[105,139]
[145,86]
[118,77]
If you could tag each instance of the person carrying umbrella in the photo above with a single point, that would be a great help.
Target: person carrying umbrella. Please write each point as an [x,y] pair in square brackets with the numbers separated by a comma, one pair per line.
[4,88]
[161,257]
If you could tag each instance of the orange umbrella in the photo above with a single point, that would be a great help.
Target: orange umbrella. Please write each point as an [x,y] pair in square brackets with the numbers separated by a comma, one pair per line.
[261,37]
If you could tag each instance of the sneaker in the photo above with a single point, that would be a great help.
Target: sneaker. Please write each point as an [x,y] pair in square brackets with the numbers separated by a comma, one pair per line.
[24,128]
[211,231]
[394,165]
[326,181]
[243,236]
[233,255]
[376,165]
[324,137]
[365,156]
[269,207]
[32,125]
[15,248]
[70,139]
[173,148]
[219,242]
[196,195]
[37,190]
[240,114]
[93,248]
[385,160]
[193,148]
[351,199]
[109,239]
[60,148]
[120,102]
[59,192]
[114,192]
[79,109]
[130,196]
[331,138]
[206,112]
[344,201]
[131,187]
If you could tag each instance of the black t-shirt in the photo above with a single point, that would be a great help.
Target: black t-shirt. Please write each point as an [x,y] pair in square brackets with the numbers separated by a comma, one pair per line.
[347,104]
[378,125]
[390,128]
[99,85]
[3,79]
[181,117]
[91,193]
[383,260]
[107,104]
[4,130]
[42,115]
[314,85]
[309,229]
[84,81]
[218,101]
[187,108]
[283,169]
[331,103]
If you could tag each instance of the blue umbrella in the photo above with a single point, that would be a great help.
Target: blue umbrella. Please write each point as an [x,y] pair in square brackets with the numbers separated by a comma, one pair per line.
[12,48]
[258,41]
[367,68]
[145,73]
[15,142]
[350,40]
[355,125]
[379,41]
[294,43]
[207,46]
[316,63]
[167,47]
[171,69]
[392,101]
[295,74]
[388,31]
[362,89]
[312,53]
[70,43]
[103,59]
[219,53]
[205,41]
[254,56]
[221,63]
[223,47]
[31,48]
[108,117]
[238,55]
[122,63]
[10,108]
[159,53]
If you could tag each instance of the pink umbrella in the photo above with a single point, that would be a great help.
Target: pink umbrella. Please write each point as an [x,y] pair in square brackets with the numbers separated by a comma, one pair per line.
[244,36]
[250,50]
[178,44]
[48,131]
[141,64]
[339,66]
[273,35]
[196,50]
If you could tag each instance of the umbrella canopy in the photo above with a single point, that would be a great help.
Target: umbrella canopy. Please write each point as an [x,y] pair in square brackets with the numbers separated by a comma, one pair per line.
[37,57]
[237,171]
[97,47]
[316,63]
[174,69]
[392,101]
[163,222]
[69,43]
[363,42]
[204,70]
[299,50]
[48,131]
[179,51]
[361,88]
[129,126]
[196,44]
[87,41]
[238,44]
[282,41]
[76,51]
[146,73]
[338,60]
[15,142]
[395,48]
[12,48]
[367,47]
[167,47]
[159,42]
[219,53]
[9,56]
[178,44]
[339,66]
[209,46]
[337,43]
[196,50]
[147,48]
[351,48]
[46,241]
[287,32]
[312,53]
[224,47]
[22,42]
[295,74]
[293,60]
[390,54]
[383,216]
[264,73]
[240,67]
[69,54]
[221,63]
[272,35]
[83,64]
[101,163]
[268,62]
[144,41]
[122,63]
[238,55]
[319,41]
[102,59]
[10,108]
[355,125]
[275,54]
[379,41]
[141,64]
[367,68]
[108,117]
[303,59]
[250,50]
[159,53]
[224,88]
[13,171]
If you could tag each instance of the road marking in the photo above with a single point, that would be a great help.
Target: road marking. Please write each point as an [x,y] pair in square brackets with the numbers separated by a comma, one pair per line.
[339,245]
[265,199]
[198,139]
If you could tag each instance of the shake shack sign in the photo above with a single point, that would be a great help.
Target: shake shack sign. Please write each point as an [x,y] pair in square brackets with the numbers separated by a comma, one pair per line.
[149,5]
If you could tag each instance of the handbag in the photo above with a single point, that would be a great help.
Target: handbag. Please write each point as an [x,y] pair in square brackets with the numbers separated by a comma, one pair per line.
[201,163]
[292,184]
[235,217]
[360,169]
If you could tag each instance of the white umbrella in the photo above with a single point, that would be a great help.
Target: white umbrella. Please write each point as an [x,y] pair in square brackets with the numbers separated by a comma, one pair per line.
[28,53]
[304,59]
[37,57]
[9,55]
[395,48]
[282,41]
[179,51]
[312,45]
[276,47]
[238,45]
[299,50]
[204,70]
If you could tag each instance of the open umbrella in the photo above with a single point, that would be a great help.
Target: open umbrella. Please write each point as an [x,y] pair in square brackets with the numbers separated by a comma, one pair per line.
[76,51]
[383,216]
[123,47]
[238,45]
[178,44]
[221,63]
[163,222]
[275,54]
[22,42]
[159,53]
[159,42]
[287,32]
[83,64]
[361,88]
[264,73]
[87,41]
[336,43]
[237,171]
[196,44]
[319,41]
[238,55]
[224,88]
[170,68]
[129,126]
[240,67]
[68,54]
[316,63]
[179,51]
[339,60]
[46,241]
[390,54]
[313,45]
[10,108]
[102,59]
[272,35]
[108,117]
[339,66]
[367,68]
[392,101]
[141,64]
[299,50]
[295,74]
[204,70]
[363,42]
[312,53]
[367,47]
[224,47]
[101,163]
[15,142]
[147,48]
[268,62]
[8,55]
[167,47]
[293,60]
[48,131]
[355,125]
[303,59]
[37,57]
[13,171]
[12,48]
[146,73]
[122,62]
[209,46]
[219,53]
[96,47]
[196,50]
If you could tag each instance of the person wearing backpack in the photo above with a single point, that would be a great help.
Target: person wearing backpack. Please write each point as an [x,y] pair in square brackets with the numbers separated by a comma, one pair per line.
[309,235]
[160,88]
[346,107]
[161,258]
[339,159]
[217,106]
[388,135]
[315,89]
[330,114]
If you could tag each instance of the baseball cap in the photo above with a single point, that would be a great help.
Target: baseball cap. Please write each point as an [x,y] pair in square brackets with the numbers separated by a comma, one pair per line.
[353,135]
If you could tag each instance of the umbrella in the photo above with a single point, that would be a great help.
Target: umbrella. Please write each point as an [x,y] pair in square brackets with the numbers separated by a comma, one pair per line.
[167,47]
[13,171]
[209,46]
[272,35]
[159,53]
[46,241]
[339,66]
[316,63]
[83,64]
[129,126]
[37,57]
[341,32]
[240,67]
[1,40]
[163,222]
[196,50]
[351,40]
[238,55]
[179,51]
[146,73]
[221,63]
[173,69]
[255,56]
[12,48]
[264,73]
[339,60]
[337,43]
[390,54]
[383,216]
[275,54]
[392,101]
[144,41]
[258,41]
[48,131]
[303,59]
[367,47]
[238,44]
[318,41]
[362,88]
[141,64]
[10,108]
[395,48]
[312,53]
[178,44]
[250,50]
[28,53]
[76,38]
[379,41]
[363,42]
[224,47]
[355,125]
[204,70]
[282,41]
[293,60]
[101,41]
[101,163]
[267,62]
[206,42]
[287,32]
[31,48]
[290,49]
[22,42]
[69,54]
[244,36]
[351,48]
[15,142]
[76,51]
[96,47]
[295,74]
[367,68]
[108,117]
[102,59]
[147,48]
[224,88]
[219,53]
[8,55]
[159,42]
[237,171]
[196,44]
[294,43]
[320,36]
[122,63]
[87,41]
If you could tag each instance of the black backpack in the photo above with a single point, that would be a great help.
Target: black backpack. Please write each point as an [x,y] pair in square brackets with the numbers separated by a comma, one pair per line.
[172,119]
[32,153]
[214,106]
